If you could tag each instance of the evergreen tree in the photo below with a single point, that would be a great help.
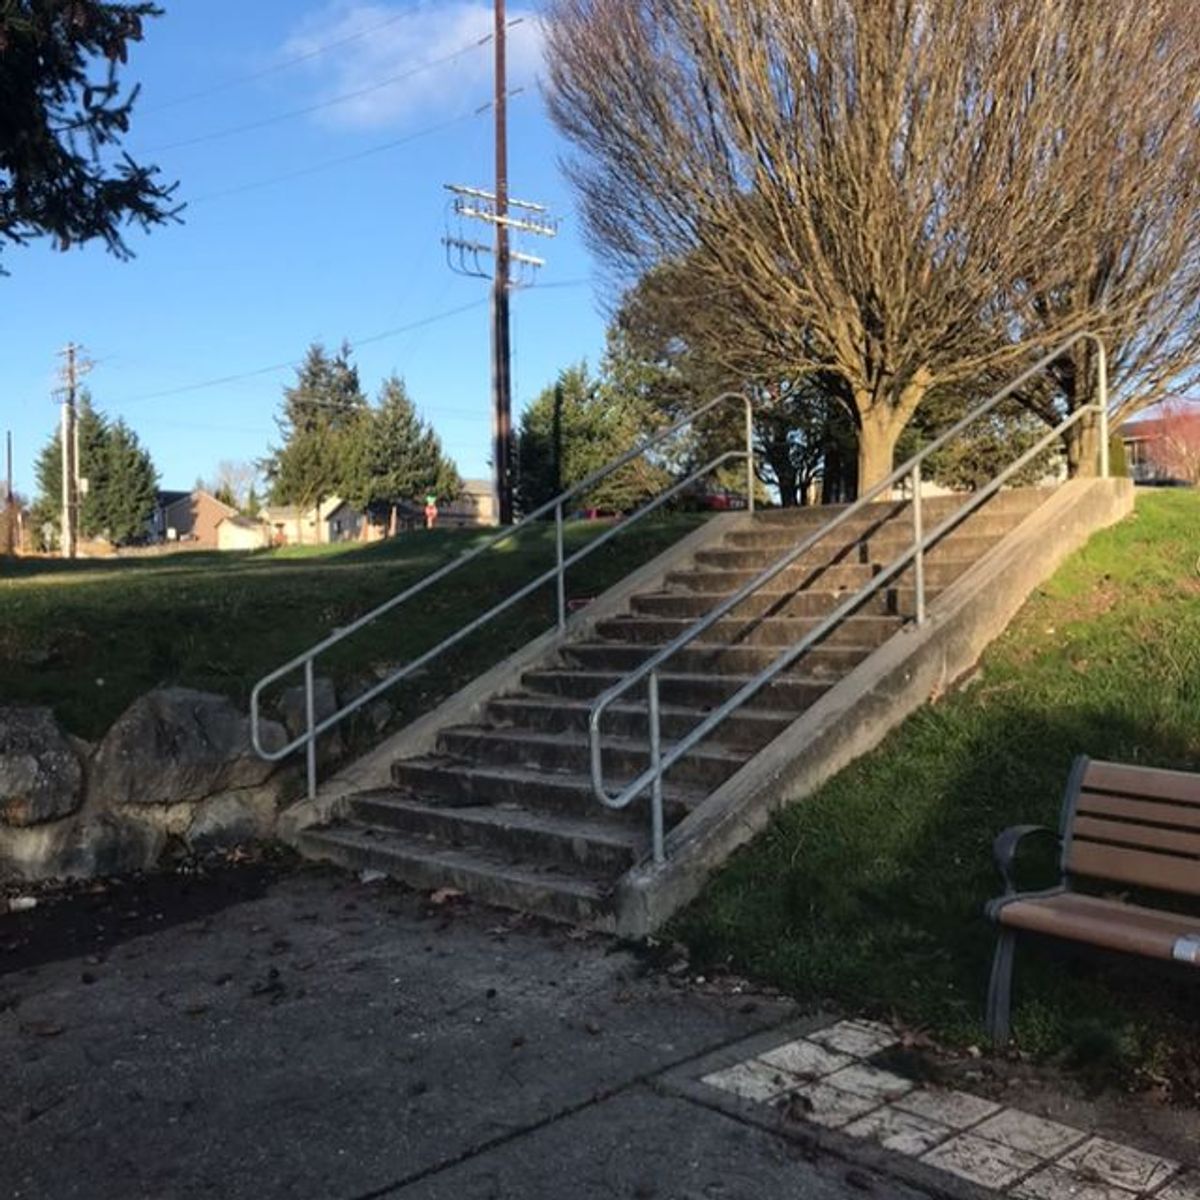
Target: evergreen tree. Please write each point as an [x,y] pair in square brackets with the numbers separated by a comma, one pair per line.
[252,504]
[120,481]
[318,425]
[574,428]
[127,497]
[63,117]
[395,456]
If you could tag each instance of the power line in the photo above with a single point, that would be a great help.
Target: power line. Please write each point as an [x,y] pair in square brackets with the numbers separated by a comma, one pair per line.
[326,164]
[292,363]
[341,160]
[285,64]
[344,98]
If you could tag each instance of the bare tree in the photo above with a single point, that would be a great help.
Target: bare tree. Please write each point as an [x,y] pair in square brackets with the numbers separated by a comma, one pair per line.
[1132,237]
[877,191]
[236,479]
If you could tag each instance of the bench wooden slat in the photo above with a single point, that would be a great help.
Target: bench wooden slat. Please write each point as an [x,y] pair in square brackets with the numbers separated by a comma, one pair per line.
[1128,833]
[1108,923]
[1152,782]
[1143,868]
[1184,816]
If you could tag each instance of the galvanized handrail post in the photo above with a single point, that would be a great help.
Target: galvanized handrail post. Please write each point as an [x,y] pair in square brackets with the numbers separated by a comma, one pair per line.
[1102,404]
[749,455]
[918,541]
[310,723]
[656,791]
[559,556]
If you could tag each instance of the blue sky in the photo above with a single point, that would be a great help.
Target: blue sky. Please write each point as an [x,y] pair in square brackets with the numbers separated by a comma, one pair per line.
[351,250]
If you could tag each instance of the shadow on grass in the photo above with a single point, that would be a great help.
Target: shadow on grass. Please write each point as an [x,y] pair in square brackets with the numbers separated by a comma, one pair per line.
[869,895]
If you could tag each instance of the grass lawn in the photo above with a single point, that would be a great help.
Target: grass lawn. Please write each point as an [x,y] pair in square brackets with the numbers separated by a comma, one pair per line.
[87,637]
[869,894]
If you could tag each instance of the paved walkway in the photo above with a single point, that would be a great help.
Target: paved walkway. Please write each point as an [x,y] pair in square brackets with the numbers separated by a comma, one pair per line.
[338,1040]
[335,1040]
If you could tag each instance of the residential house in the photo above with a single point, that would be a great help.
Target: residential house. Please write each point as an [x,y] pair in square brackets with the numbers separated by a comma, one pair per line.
[242,533]
[475,506]
[333,520]
[1163,448]
[188,517]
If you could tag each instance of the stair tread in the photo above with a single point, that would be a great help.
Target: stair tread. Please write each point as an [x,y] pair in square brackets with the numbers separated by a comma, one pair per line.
[488,816]
[713,647]
[520,773]
[534,700]
[393,843]
[578,741]
[732,677]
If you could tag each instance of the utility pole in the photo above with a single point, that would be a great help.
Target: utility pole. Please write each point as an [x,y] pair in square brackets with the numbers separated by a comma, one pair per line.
[501,329]
[72,370]
[495,207]
[67,540]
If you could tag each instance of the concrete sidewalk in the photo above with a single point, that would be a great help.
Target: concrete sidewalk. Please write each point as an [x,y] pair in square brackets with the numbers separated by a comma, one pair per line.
[341,1040]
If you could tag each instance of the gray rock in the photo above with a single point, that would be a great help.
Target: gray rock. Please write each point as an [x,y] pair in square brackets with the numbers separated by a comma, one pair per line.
[41,776]
[292,706]
[232,820]
[175,746]
[110,845]
[80,847]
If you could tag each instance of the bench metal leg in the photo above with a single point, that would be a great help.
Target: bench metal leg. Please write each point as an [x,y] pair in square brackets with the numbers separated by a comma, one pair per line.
[999,1002]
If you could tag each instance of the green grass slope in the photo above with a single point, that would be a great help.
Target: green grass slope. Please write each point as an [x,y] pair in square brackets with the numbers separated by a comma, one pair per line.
[869,894]
[87,637]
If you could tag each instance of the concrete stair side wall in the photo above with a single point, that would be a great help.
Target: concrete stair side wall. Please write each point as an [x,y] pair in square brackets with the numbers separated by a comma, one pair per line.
[857,712]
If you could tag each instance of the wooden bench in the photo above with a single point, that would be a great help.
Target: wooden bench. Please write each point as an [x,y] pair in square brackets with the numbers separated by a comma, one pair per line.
[1129,826]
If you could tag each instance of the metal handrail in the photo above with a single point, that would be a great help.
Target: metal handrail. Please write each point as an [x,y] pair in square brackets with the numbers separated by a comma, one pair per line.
[314,728]
[652,777]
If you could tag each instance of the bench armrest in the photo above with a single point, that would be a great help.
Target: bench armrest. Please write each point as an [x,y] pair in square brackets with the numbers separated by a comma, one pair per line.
[1004,851]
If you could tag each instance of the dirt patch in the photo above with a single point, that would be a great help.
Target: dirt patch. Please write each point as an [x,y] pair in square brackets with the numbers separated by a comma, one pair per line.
[87,918]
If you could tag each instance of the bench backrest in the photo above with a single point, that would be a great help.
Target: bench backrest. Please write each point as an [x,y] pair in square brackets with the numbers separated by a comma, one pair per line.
[1133,825]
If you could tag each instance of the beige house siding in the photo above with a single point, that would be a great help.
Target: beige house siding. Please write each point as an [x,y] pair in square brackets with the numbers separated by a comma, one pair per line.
[195,518]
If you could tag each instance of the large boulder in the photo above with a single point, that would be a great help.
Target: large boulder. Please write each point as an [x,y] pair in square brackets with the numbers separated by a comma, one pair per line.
[41,777]
[293,706]
[179,746]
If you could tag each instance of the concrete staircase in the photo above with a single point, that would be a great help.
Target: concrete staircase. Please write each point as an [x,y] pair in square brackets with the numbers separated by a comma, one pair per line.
[504,809]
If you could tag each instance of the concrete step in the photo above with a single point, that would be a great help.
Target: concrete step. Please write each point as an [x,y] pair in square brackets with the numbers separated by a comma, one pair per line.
[707,766]
[878,552]
[700,657]
[515,833]
[791,694]
[436,779]
[751,630]
[890,533]
[548,890]
[810,603]
[1021,501]
[840,577]
[748,729]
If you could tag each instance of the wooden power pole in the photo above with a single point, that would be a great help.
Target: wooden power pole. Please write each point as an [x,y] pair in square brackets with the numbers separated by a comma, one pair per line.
[501,329]
[72,490]
[495,207]
[69,443]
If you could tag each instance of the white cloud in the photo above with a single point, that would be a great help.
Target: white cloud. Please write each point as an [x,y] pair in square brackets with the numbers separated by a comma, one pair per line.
[399,38]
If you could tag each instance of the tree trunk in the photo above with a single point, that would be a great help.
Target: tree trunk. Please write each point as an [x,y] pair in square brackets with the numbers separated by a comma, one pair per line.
[876,449]
[1083,448]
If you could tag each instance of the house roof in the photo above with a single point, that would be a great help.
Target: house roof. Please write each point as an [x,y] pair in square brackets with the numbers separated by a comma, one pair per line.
[241,522]
[166,499]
